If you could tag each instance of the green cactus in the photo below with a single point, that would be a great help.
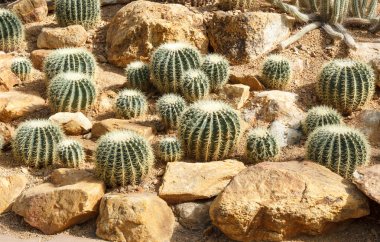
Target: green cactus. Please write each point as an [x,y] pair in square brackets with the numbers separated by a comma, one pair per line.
[340,148]
[170,150]
[209,130]
[227,5]
[69,59]
[71,92]
[36,141]
[194,85]
[346,85]
[138,75]
[82,12]
[123,157]
[364,8]
[320,116]
[71,153]
[261,146]
[170,107]
[217,70]
[276,73]
[131,103]
[22,67]
[11,31]
[169,62]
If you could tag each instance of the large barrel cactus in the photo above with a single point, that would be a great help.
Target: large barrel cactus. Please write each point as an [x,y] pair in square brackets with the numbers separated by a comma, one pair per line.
[170,150]
[71,153]
[138,75]
[170,107]
[276,73]
[22,67]
[320,116]
[217,69]
[11,31]
[261,146]
[131,103]
[209,130]
[195,85]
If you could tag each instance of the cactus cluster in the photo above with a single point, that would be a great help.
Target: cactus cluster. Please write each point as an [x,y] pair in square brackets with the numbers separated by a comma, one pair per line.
[169,62]
[261,146]
[339,148]
[194,85]
[364,8]
[22,68]
[71,92]
[170,150]
[209,130]
[170,107]
[138,75]
[82,12]
[320,116]
[36,141]
[217,69]
[123,158]
[131,103]
[346,85]
[276,72]
[70,153]
[227,5]
[11,31]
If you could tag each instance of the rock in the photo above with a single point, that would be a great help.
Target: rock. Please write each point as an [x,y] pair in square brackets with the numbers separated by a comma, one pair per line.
[8,79]
[6,131]
[242,75]
[105,102]
[31,10]
[273,201]
[187,182]
[367,51]
[141,26]
[193,215]
[16,104]
[10,188]
[284,135]
[367,179]
[54,38]
[244,36]
[376,66]
[72,197]
[72,123]
[236,94]
[135,217]
[5,60]
[110,78]
[38,56]
[369,124]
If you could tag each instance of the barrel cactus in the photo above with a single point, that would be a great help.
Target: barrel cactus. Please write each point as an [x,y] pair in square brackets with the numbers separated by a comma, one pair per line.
[36,141]
[227,5]
[320,116]
[209,130]
[340,148]
[71,92]
[217,70]
[69,59]
[82,12]
[194,85]
[131,103]
[70,153]
[170,150]
[138,75]
[277,72]
[22,67]
[123,158]
[346,85]
[169,62]
[11,31]
[170,107]
[261,146]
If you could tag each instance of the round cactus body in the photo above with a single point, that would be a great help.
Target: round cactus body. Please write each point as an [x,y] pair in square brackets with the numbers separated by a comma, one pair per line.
[82,12]
[209,130]
[217,70]
[71,153]
[69,60]
[227,5]
[71,92]
[320,116]
[195,85]
[123,158]
[169,62]
[170,150]
[11,31]
[170,107]
[138,75]
[22,68]
[340,148]
[261,145]
[276,73]
[35,142]
[346,85]
[131,103]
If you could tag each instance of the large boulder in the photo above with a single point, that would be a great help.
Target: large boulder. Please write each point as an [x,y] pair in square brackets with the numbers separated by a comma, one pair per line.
[367,179]
[31,10]
[141,26]
[54,38]
[273,201]
[10,188]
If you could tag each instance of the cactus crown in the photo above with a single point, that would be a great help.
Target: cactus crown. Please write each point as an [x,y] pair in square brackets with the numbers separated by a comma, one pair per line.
[138,75]
[71,153]
[170,149]
[277,72]
[11,31]
[22,67]
[320,116]
[123,157]
[169,107]
[261,145]
[227,5]
[217,70]
[131,103]
[194,85]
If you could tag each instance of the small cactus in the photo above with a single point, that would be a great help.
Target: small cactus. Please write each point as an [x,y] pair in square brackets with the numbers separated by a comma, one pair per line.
[227,5]
[69,60]
[11,31]
[209,130]
[138,75]
[276,73]
[195,85]
[170,107]
[71,153]
[340,148]
[169,62]
[170,150]
[217,70]
[261,145]
[22,68]
[320,116]
[71,92]
[36,141]
[123,158]
[346,85]
[82,12]
[131,103]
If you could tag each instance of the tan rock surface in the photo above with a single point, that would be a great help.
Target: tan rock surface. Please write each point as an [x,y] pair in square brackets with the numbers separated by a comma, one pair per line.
[72,123]
[10,188]
[54,38]
[31,10]
[8,79]
[367,179]
[38,56]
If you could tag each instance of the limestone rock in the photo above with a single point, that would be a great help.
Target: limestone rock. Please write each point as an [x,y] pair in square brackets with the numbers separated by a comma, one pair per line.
[284,135]
[72,197]
[186,182]
[236,94]
[369,123]
[72,123]
[246,76]
[273,201]
[38,56]
[31,10]
[193,215]
[54,38]
[367,179]
[10,188]
[135,217]
[7,79]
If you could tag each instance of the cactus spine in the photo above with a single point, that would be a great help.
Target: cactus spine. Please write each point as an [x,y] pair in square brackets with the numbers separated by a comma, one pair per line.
[276,73]
[71,153]
[217,70]
[209,130]
[22,67]
[227,5]
[261,145]
[194,85]
[340,148]
[123,157]
[11,31]
[170,107]
[138,75]
[320,116]
[170,150]
[131,103]
[35,142]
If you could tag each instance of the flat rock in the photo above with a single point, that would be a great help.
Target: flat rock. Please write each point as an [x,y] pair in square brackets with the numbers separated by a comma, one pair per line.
[72,123]
[235,94]
[54,38]
[10,188]
[8,79]
[38,56]
[246,76]
[367,179]
[31,10]
[193,215]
